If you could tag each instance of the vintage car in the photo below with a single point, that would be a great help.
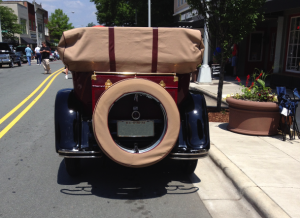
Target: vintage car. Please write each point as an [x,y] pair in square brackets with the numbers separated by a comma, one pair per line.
[131,100]
[7,56]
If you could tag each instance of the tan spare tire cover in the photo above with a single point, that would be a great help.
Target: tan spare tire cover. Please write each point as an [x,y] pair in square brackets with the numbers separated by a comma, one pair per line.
[103,136]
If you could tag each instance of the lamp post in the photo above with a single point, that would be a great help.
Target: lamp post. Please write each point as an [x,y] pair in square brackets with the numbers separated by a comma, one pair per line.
[205,71]
[149,13]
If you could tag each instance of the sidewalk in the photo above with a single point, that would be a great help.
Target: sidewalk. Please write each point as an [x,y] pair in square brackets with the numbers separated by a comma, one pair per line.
[264,169]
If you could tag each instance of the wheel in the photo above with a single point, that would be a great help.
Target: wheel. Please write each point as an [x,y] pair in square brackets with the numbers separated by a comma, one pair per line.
[19,63]
[11,64]
[0,65]
[72,166]
[189,166]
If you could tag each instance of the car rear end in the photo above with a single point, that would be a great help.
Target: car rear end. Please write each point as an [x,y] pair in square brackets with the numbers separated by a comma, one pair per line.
[134,118]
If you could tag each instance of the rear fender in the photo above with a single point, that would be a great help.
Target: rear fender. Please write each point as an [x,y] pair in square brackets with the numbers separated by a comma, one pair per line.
[66,119]
[194,131]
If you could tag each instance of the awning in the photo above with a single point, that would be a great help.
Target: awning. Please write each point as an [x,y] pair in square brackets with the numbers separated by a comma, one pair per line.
[27,40]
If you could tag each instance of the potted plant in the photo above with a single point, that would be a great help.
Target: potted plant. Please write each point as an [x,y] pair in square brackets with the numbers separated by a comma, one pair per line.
[254,111]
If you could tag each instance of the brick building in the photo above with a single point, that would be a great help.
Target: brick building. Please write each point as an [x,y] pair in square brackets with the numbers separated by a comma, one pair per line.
[26,16]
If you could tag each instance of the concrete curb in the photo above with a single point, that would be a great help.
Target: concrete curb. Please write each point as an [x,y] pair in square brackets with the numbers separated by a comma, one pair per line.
[208,93]
[264,205]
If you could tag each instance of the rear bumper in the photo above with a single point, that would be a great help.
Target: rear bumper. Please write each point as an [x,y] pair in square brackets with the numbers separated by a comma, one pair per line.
[98,154]
[190,156]
[5,61]
[79,154]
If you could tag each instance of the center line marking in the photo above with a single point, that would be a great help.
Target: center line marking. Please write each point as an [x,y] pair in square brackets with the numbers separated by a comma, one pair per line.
[27,98]
[12,123]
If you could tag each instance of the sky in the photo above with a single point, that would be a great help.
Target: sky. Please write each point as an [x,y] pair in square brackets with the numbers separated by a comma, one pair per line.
[84,10]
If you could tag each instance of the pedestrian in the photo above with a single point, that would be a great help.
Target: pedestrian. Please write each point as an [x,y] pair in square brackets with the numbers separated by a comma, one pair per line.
[45,52]
[38,55]
[28,52]
[55,55]
[66,71]
[234,58]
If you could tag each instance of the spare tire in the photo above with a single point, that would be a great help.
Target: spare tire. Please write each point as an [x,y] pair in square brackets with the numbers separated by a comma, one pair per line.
[136,122]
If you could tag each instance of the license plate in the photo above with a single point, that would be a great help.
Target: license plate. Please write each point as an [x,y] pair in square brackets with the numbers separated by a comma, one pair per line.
[143,128]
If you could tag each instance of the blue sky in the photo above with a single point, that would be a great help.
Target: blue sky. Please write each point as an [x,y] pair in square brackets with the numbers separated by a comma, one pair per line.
[84,10]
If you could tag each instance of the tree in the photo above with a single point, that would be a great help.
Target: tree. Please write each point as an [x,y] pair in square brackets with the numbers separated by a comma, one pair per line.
[9,23]
[91,24]
[228,22]
[57,24]
[134,12]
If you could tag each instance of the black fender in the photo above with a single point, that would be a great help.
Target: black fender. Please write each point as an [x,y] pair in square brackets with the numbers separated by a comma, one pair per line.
[194,130]
[66,120]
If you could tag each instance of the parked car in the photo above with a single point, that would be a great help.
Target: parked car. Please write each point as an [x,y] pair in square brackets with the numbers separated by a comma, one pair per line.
[131,103]
[22,49]
[7,56]
[22,56]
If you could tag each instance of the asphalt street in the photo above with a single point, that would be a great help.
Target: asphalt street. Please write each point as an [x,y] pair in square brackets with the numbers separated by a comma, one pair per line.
[33,178]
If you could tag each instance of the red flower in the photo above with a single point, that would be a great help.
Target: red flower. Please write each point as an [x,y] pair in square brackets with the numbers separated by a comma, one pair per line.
[238,79]
[259,94]
[251,86]
[258,76]
[247,81]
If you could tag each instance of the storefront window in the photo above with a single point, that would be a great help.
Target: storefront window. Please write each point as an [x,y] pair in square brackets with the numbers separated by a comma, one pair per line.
[23,26]
[293,55]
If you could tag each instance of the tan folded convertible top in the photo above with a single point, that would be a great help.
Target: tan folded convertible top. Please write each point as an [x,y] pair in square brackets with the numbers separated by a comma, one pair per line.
[131,49]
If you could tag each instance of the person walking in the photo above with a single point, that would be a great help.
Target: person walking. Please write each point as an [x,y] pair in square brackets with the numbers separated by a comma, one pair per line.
[66,72]
[38,55]
[234,58]
[28,54]
[45,52]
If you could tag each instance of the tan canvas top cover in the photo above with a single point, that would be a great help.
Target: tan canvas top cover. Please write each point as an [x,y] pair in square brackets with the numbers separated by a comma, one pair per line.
[131,49]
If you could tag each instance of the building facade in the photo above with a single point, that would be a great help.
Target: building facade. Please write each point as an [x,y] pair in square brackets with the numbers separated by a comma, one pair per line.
[274,46]
[185,17]
[26,16]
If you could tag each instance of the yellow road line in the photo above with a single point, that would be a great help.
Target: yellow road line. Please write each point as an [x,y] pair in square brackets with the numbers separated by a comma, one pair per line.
[27,98]
[12,123]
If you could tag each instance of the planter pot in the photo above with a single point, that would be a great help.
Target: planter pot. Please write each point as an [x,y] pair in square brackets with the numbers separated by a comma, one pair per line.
[253,118]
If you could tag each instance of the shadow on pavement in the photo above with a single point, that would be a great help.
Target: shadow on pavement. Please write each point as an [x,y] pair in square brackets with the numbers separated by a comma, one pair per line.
[223,126]
[106,179]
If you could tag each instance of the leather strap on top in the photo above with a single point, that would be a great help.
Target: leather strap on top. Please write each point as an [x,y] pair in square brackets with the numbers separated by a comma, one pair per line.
[111,49]
[154,50]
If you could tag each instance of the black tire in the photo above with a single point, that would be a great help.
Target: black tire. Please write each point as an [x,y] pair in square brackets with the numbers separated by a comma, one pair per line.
[20,63]
[0,65]
[72,166]
[189,166]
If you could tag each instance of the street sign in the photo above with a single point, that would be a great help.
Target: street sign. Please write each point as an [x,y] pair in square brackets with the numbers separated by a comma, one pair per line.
[4,31]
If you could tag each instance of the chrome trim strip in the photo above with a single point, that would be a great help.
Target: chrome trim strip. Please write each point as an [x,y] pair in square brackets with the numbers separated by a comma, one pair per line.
[80,156]
[192,158]
[189,154]
[78,152]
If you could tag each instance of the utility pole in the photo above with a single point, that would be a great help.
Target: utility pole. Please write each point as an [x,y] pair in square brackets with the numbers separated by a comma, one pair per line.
[149,13]
[36,24]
